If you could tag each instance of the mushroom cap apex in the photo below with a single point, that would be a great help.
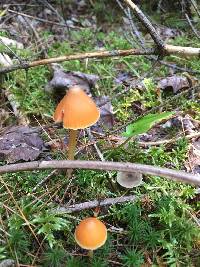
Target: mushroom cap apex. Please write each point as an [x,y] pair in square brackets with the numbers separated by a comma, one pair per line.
[91,233]
[76,110]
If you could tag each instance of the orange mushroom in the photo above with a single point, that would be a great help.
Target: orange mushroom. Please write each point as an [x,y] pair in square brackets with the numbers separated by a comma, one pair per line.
[91,234]
[77,111]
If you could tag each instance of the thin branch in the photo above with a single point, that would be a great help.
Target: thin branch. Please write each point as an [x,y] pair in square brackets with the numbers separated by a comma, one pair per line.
[192,26]
[182,51]
[147,24]
[57,14]
[136,34]
[170,49]
[46,3]
[174,66]
[91,138]
[103,166]
[119,140]
[94,204]
[195,7]
[168,141]
[44,180]
[134,30]
[97,54]
[12,52]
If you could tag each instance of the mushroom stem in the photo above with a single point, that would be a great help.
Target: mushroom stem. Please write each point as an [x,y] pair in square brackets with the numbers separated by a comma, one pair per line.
[90,254]
[72,143]
[72,146]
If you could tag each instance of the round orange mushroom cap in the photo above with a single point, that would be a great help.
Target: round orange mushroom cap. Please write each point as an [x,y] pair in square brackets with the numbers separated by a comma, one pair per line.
[91,233]
[77,110]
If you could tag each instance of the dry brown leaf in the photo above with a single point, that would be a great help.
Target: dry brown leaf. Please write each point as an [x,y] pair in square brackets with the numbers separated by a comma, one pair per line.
[106,120]
[62,80]
[175,82]
[193,162]
[20,143]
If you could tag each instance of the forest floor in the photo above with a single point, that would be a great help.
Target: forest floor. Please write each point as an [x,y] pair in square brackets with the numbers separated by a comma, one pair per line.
[159,228]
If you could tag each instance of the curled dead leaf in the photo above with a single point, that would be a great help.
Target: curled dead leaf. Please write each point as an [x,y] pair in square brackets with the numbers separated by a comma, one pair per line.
[193,162]
[20,143]
[62,80]
[175,82]
[106,120]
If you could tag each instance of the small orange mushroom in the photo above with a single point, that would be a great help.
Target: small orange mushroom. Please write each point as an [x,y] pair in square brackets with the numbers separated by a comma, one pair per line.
[91,234]
[77,111]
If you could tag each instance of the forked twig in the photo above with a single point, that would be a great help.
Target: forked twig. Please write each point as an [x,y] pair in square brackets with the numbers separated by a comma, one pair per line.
[147,24]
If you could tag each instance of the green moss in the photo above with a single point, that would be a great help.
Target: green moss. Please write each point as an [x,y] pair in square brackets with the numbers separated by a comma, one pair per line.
[28,90]
[159,222]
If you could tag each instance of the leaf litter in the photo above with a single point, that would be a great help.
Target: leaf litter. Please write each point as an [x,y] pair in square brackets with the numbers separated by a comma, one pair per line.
[63,79]
[193,162]
[176,83]
[107,119]
[20,143]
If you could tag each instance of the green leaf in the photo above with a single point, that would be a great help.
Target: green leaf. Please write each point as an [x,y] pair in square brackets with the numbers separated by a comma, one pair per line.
[146,123]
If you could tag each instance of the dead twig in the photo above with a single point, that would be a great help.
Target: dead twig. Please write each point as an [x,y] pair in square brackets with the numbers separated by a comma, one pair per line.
[192,26]
[147,24]
[94,204]
[141,42]
[91,138]
[174,175]
[44,180]
[168,141]
[78,56]
[151,143]
[170,50]
[195,7]
[12,52]
[53,9]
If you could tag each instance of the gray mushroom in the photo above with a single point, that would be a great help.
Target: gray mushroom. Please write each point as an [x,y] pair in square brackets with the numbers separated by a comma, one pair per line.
[129,179]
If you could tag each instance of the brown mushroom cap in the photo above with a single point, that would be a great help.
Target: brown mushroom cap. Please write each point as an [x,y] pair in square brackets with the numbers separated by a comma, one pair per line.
[77,110]
[91,233]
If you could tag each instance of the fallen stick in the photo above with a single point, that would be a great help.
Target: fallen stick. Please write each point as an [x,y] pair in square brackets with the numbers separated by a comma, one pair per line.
[147,24]
[174,175]
[168,141]
[169,49]
[97,54]
[93,204]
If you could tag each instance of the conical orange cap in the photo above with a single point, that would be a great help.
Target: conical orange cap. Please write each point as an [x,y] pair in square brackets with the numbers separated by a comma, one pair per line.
[77,110]
[91,233]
